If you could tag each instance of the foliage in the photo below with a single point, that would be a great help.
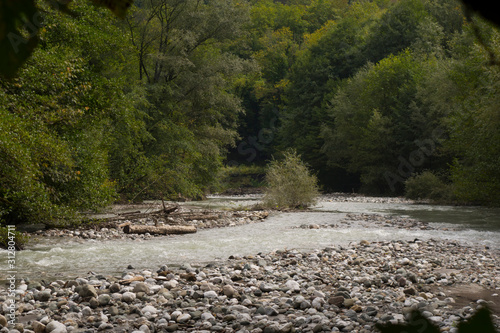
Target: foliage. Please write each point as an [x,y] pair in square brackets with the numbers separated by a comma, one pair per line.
[241,178]
[367,93]
[290,183]
[463,93]
[21,23]
[396,30]
[427,185]
[54,117]
[8,236]
[332,55]
[474,122]
[191,110]
[377,124]
[16,43]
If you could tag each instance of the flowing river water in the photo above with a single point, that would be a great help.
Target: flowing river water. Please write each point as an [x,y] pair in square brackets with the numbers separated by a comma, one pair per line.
[56,258]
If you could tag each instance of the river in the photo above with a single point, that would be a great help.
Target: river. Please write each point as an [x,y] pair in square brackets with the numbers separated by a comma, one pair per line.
[53,258]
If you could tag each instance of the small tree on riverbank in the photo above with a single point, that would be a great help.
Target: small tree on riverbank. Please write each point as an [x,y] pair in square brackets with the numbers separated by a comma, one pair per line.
[290,183]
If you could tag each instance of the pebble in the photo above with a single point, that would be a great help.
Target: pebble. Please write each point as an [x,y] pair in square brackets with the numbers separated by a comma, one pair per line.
[55,327]
[3,321]
[87,291]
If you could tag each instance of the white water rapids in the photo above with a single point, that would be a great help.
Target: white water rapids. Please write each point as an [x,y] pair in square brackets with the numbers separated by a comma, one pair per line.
[53,258]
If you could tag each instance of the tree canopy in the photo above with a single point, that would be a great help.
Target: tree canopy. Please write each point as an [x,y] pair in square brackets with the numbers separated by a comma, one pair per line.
[374,96]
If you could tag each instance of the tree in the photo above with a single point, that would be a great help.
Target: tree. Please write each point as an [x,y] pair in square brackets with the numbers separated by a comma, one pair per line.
[377,125]
[54,117]
[396,30]
[472,95]
[192,111]
[330,56]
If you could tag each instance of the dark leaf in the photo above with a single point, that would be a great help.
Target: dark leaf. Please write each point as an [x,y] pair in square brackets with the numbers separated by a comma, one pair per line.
[118,7]
[19,24]
[416,324]
[480,322]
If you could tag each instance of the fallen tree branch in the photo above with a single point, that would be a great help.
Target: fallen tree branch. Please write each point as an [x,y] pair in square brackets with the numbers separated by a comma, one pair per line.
[159,230]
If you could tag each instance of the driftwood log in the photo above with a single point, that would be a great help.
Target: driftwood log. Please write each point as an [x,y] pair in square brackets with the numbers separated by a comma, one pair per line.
[189,216]
[159,230]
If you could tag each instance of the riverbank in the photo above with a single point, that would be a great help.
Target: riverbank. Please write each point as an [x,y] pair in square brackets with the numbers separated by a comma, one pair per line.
[113,229]
[348,286]
[346,289]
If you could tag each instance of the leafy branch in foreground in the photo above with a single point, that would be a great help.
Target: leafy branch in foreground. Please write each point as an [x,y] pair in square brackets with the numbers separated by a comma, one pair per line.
[481,321]
[20,23]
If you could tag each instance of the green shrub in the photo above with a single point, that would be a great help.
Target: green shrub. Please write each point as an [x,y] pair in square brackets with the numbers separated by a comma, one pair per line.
[290,183]
[427,185]
[7,235]
[240,178]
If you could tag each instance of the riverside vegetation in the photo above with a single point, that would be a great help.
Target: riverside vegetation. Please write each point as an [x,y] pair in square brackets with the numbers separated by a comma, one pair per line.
[289,183]
[370,95]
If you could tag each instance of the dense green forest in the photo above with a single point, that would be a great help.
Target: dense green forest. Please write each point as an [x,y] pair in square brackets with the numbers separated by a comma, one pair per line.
[378,97]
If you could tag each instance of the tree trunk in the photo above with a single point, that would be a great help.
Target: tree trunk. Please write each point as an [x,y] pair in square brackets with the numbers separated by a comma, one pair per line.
[159,230]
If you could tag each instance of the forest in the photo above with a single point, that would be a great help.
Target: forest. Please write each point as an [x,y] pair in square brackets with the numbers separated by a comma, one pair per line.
[379,97]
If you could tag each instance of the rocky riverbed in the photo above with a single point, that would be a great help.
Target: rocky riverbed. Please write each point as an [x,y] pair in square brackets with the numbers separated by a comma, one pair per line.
[113,229]
[346,289]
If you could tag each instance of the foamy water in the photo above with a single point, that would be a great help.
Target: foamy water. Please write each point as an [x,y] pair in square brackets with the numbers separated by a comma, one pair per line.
[52,258]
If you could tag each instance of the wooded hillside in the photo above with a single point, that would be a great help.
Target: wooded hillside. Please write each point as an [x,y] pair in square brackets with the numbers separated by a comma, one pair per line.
[372,94]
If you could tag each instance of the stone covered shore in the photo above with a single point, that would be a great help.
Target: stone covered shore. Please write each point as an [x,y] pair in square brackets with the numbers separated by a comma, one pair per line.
[336,289]
[114,230]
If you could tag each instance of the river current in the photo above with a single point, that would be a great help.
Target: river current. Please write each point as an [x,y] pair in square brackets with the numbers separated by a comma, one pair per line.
[53,258]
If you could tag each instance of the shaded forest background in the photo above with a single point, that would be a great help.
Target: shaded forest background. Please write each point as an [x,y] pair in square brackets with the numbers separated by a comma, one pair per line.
[378,97]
